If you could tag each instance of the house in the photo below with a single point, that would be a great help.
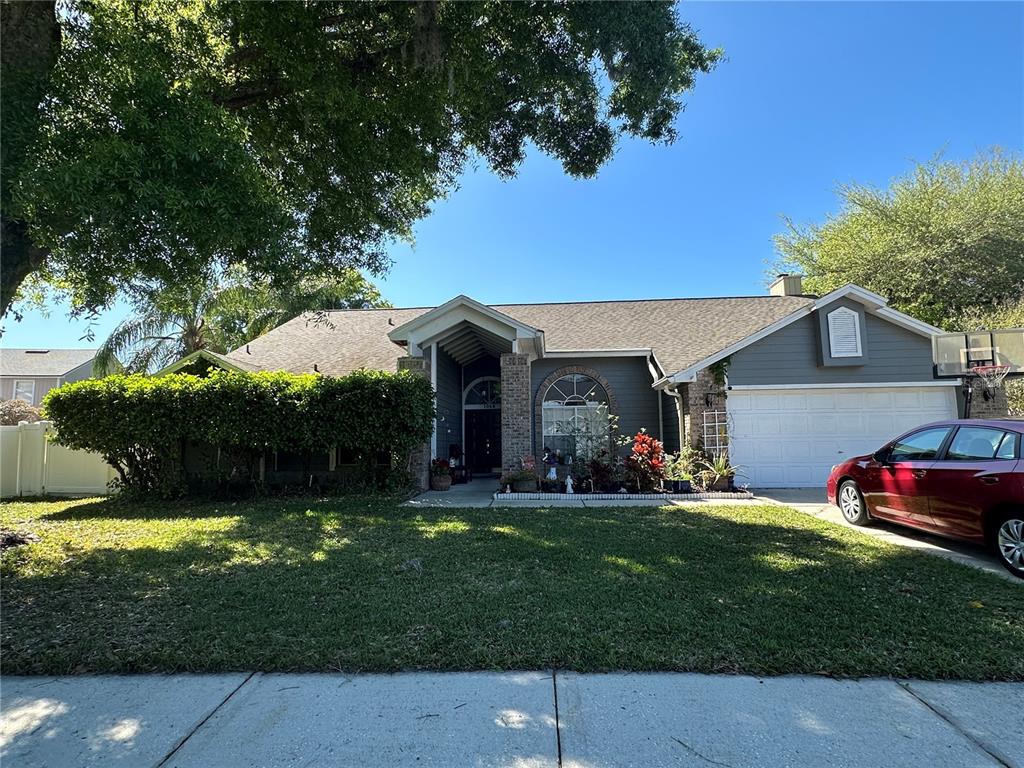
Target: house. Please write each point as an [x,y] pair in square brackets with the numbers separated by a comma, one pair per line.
[28,374]
[789,384]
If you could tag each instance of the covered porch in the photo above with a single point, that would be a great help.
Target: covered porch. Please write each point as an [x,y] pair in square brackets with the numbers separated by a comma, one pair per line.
[478,361]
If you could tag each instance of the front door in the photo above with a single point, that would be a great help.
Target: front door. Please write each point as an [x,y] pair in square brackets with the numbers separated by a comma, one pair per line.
[483,439]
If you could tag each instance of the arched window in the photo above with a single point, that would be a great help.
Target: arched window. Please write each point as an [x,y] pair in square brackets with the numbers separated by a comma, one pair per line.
[483,394]
[575,417]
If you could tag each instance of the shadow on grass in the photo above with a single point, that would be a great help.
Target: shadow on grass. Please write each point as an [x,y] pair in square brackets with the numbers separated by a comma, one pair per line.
[362,586]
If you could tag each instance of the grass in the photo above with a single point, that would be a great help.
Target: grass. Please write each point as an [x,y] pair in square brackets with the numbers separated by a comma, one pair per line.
[364,585]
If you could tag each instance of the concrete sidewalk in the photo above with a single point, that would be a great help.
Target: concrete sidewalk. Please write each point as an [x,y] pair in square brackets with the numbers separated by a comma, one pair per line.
[523,719]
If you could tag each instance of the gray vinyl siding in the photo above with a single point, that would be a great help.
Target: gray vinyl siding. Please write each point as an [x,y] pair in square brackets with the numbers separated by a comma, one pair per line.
[449,403]
[629,380]
[790,356]
[670,419]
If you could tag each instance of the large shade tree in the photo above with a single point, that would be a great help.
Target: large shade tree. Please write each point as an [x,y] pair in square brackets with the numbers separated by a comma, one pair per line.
[939,242]
[153,140]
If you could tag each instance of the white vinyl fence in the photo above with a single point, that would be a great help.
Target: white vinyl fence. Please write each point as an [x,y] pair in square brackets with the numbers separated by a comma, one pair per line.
[31,465]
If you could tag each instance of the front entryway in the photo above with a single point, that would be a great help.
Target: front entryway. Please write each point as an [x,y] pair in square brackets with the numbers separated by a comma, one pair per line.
[483,440]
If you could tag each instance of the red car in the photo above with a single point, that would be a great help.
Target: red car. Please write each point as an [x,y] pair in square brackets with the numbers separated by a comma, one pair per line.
[963,479]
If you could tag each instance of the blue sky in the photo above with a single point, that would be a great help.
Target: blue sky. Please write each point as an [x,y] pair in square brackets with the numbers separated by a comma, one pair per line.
[810,96]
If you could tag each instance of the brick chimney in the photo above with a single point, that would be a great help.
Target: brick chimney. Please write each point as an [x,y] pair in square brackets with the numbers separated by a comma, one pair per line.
[786,285]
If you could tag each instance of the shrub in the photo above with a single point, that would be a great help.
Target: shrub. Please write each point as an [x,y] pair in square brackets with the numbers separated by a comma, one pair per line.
[645,466]
[143,425]
[14,411]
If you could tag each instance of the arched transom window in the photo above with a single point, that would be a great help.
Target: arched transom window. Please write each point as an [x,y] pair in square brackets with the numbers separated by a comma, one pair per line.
[484,394]
[575,417]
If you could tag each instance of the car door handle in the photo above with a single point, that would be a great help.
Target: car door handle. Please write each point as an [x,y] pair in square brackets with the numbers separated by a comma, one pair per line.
[919,473]
[989,480]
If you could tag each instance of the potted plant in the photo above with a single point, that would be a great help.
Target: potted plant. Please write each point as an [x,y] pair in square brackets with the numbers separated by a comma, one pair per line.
[524,479]
[440,475]
[520,480]
[680,468]
[717,473]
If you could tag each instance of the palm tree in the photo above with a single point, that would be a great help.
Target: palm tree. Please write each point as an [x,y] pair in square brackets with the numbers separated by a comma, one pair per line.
[171,322]
[168,324]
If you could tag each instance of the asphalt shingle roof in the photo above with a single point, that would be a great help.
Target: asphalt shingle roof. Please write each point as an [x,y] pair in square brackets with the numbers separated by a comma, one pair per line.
[680,331]
[42,362]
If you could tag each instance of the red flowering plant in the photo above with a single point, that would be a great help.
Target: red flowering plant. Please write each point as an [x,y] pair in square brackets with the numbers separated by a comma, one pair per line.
[440,467]
[645,466]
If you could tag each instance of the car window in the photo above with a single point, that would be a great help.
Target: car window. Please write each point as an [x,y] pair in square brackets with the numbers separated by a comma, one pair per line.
[1008,448]
[919,446]
[979,444]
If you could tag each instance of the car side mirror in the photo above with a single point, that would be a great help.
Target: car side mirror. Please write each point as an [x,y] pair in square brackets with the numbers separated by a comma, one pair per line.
[882,456]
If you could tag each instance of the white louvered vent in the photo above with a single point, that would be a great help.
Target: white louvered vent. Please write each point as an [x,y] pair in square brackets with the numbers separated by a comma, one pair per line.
[844,333]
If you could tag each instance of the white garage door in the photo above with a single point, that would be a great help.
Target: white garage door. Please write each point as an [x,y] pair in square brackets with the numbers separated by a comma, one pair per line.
[790,438]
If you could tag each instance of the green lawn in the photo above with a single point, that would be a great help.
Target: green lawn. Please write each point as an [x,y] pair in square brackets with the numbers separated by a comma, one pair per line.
[363,585]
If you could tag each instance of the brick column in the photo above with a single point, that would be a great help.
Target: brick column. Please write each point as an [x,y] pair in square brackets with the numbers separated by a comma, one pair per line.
[516,437]
[419,457]
[697,396]
[996,407]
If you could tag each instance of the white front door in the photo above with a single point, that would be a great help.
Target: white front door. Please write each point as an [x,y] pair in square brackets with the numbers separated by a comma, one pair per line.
[790,438]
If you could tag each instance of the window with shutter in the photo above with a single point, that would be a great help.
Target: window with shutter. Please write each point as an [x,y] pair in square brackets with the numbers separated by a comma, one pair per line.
[844,333]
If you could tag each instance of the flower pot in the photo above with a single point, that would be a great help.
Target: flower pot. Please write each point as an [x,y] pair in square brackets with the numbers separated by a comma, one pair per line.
[682,486]
[524,486]
[440,482]
[721,484]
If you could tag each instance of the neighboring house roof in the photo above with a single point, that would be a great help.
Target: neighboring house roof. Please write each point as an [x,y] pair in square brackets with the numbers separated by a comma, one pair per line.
[680,332]
[42,362]
[222,361]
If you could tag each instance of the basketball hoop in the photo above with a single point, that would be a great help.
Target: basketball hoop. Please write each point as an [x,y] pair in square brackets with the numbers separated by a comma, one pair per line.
[991,375]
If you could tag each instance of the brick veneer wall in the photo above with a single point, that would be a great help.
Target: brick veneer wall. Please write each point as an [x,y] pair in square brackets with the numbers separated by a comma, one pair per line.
[515,408]
[997,407]
[696,397]
[419,457]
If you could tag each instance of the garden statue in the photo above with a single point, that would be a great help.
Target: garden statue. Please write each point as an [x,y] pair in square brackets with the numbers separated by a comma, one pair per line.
[568,483]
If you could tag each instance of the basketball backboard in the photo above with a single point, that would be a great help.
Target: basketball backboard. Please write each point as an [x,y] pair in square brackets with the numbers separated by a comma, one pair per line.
[955,354]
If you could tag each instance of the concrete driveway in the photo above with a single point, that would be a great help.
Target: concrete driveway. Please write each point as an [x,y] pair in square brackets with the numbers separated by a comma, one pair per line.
[813,502]
[518,719]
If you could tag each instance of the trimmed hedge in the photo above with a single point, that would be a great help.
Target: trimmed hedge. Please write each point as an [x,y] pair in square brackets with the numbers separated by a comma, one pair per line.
[143,425]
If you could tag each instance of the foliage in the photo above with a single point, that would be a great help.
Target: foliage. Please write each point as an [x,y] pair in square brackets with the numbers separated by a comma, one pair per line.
[14,411]
[601,470]
[440,468]
[518,476]
[683,465]
[150,140]
[142,425]
[714,469]
[170,322]
[248,306]
[645,466]
[1006,314]
[943,239]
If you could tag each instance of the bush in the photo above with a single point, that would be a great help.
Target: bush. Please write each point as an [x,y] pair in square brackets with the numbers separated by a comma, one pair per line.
[145,426]
[645,466]
[14,411]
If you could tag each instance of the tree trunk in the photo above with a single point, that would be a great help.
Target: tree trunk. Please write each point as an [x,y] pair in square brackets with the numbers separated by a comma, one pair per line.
[31,44]
[21,258]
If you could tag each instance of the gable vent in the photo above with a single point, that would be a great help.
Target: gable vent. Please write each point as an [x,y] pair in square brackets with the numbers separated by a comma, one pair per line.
[844,333]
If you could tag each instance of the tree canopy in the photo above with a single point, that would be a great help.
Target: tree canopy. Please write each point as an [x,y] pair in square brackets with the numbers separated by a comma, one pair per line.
[172,321]
[939,242]
[162,140]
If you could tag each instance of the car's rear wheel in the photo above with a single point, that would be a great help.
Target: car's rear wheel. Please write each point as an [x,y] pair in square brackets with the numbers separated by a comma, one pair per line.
[1009,542]
[851,503]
